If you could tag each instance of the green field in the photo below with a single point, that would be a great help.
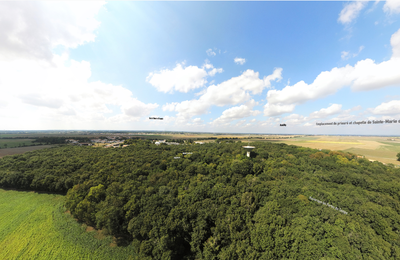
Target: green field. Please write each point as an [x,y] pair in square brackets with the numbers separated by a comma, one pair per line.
[34,226]
[20,150]
[11,143]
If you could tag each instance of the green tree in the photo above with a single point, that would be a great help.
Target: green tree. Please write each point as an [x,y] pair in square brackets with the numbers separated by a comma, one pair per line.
[398,157]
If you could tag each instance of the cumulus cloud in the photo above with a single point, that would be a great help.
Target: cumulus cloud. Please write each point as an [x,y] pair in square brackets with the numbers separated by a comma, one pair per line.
[210,52]
[294,119]
[238,89]
[182,79]
[41,100]
[63,95]
[278,109]
[363,76]
[237,112]
[351,12]
[33,29]
[240,61]
[44,90]
[387,108]
[188,108]
[392,6]
[231,92]
[395,42]
[136,108]
[197,121]
[325,112]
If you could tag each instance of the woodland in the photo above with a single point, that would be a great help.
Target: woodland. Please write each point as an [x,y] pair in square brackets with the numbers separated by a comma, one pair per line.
[217,203]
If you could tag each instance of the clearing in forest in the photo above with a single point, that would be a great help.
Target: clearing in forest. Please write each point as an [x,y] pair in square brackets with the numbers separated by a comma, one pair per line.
[20,150]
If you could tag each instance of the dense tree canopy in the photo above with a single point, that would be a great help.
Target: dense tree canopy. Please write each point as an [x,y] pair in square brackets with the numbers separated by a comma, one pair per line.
[216,203]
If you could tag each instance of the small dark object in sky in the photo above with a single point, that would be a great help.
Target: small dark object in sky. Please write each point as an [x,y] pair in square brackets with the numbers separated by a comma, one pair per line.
[160,118]
[283,124]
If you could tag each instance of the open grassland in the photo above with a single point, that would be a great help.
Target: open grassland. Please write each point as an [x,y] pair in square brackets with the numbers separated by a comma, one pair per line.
[20,150]
[374,148]
[11,143]
[34,226]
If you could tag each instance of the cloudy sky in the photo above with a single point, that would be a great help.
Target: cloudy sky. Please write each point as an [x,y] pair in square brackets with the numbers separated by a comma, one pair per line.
[241,67]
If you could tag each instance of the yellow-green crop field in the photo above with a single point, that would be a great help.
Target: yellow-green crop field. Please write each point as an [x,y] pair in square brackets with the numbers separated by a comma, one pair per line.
[34,226]
[382,149]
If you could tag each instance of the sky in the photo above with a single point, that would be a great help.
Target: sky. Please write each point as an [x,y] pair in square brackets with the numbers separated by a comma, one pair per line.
[231,67]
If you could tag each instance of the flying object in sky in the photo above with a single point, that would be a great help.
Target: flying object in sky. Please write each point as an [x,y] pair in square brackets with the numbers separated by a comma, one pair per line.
[282,124]
[159,118]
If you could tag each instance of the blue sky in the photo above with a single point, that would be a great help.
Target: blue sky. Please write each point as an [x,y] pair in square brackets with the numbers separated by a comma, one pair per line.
[203,66]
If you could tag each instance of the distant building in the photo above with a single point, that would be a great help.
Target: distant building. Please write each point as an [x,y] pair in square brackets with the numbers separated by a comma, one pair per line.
[85,144]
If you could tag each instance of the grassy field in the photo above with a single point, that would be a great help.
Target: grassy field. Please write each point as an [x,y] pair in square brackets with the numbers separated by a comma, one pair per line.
[11,143]
[34,226]
[19,150]
[373,148]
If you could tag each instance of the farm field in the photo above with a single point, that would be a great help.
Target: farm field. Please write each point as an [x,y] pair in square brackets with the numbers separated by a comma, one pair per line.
[20,150]
[374,148]
[34,226]
[11,143]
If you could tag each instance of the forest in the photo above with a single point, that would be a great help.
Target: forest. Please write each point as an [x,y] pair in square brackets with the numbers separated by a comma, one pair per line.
[217,203]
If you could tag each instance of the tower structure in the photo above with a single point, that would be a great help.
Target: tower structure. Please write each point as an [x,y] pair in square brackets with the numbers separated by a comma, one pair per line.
[248,148]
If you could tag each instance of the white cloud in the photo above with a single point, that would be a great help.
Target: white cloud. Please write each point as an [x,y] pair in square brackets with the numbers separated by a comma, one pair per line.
[387,108]
[395,42]
[208,65]
[237,89]
[392,6]
[237,112]
[365,75]
[197,121]
[350,12]
[182,79]
[277,109]
[240,61]
[368,75]
[33,29]
[240,123]
[326,83]
[231,92]
[215,71]
[44,90]
[325,112]
[41,100]
[169,106]
[136,108]
[294,119]
[210,52]
[346,54]
[57,96]
[188,108]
